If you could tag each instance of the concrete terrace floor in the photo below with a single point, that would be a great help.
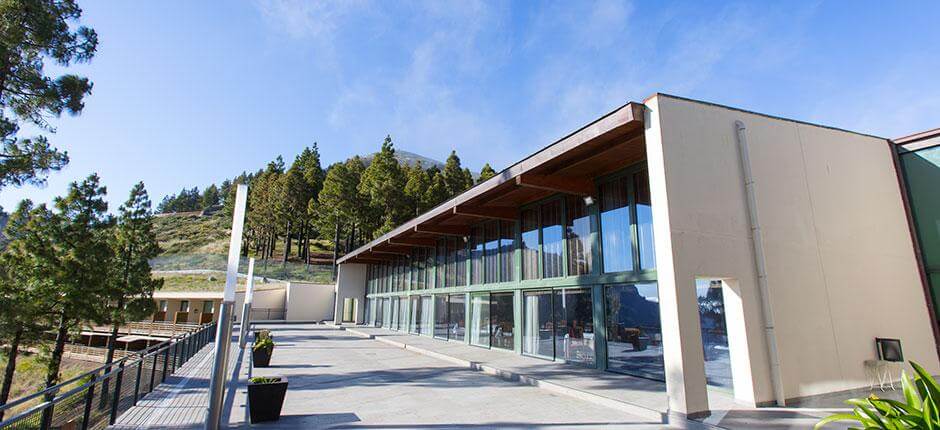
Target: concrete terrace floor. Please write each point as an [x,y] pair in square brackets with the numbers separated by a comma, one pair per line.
[340,380]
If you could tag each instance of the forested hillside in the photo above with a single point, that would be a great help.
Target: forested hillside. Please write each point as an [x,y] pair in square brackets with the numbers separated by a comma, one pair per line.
[298,212]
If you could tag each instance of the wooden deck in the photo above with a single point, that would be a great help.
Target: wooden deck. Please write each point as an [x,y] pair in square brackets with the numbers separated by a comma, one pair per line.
[181,401]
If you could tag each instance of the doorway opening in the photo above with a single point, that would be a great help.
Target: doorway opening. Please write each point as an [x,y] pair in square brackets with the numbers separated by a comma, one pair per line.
[714,326]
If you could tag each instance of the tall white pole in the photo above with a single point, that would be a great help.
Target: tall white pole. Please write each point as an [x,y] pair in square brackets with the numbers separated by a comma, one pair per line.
[223,336]
[246,309]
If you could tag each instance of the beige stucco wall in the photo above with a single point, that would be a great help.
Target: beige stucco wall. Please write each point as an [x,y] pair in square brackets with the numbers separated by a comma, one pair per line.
[840,262]
[309,302]
[350,283]
[195,307]
[263,298]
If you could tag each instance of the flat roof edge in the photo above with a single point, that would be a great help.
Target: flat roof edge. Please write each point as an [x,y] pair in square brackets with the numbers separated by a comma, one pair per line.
[911,138]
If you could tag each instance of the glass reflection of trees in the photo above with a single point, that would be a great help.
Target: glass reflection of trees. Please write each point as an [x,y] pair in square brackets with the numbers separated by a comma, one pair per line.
[634,330]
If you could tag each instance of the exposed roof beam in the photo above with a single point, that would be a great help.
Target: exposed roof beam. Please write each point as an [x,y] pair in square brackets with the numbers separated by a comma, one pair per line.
[445,230]
[576,186]
[490,212]
[397,250]
[413,241]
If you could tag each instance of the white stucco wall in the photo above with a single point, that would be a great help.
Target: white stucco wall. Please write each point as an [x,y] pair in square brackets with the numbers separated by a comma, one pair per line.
[264,298]
[840,261]
[309,302]
[350,283]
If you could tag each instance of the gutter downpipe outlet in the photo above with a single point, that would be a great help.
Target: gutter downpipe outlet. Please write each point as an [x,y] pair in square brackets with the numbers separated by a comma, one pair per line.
[757,240]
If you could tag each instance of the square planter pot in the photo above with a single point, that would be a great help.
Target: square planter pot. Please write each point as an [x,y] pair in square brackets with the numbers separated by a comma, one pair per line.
[261,357]
[265,400]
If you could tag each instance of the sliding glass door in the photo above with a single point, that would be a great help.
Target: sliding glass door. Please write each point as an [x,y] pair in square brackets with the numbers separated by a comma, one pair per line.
[538,327]
[456,317]
[480,319]
[558,324]
[634,331]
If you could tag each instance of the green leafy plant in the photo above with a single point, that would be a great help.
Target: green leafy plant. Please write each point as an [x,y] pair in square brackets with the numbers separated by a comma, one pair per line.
[263,343]
[263,334]
[919,410]
[264,380]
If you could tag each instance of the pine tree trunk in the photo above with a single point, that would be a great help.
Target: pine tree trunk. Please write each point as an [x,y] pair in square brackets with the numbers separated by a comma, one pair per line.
[287,242]
[10,368]
[55,360]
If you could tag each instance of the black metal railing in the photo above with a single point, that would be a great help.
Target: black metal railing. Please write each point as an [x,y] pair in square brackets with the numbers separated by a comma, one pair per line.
[95,399]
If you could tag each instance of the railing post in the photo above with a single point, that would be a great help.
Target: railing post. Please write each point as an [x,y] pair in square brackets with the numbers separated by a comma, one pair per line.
[46,419]
[176,349]
[140,369]
[89,399]
[117,393]
[153,370]
[166,362]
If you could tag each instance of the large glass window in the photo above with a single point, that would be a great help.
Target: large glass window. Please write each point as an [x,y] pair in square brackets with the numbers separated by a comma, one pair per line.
[403,313]
[427,326]
[552,242]
[451,274]
[502,320]
[578,236]
[507,245]
[634,332]
[441,256]
[711,310]
[388,313]
[574,325]
[394,314]
[368,314]
[530,244]
[476,255]
[616,242]
[462,253]
[491,252]
[415,315]
[538,327]
[480,319]
[644,221]
[420,269]
[440,317]
[379,318]
[456,317]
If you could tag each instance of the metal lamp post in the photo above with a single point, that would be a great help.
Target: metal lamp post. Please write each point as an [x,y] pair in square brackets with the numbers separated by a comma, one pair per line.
[246,309]
[223,336]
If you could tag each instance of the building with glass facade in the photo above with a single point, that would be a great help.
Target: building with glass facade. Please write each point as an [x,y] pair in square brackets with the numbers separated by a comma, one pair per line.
[695,244]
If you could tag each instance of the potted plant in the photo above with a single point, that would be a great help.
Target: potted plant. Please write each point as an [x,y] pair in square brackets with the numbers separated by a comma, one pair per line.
[261,351]
[265,398]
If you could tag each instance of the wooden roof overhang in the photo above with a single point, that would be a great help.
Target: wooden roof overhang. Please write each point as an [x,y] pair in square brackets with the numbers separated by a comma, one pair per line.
[569,166]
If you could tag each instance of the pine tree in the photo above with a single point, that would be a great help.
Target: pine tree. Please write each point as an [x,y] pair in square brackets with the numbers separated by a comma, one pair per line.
[436,193]
[133,243]
[31,32]
[210,196]
[454,176]
[383,184]
[22,314]
[415,188]
[485,173]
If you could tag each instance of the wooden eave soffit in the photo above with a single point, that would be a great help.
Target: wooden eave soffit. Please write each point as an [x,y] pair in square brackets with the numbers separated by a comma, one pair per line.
[444,230]
[502,213]
[395,250]
[567,185]
[424,243]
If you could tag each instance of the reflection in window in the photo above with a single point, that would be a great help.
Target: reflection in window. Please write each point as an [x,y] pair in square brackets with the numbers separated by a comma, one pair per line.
[551,240]
[440,317]
[441,260]
[578,235]
[403,313]
[427,326]
[644,221]
[394,314]
[378,312]
[476,255]
[574,326]
[634,332]
[480,319]
[491,252]
[530,244]
[456,317]
[451,259]
[415,315]
[711,310]
[507,244]
[461,262]
[616,243]
[538,327]
[502,320]
[389,314]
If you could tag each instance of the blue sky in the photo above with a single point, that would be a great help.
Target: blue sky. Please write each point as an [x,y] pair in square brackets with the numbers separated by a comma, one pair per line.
[189,93]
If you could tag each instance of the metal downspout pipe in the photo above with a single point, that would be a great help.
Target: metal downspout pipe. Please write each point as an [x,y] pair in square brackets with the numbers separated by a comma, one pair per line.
[757,240]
